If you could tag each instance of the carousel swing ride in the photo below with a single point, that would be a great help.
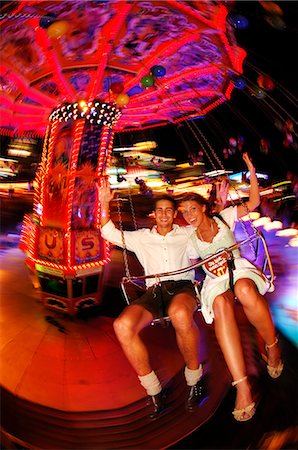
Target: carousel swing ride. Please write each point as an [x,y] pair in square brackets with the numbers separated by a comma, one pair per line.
[145,77]
[76,73]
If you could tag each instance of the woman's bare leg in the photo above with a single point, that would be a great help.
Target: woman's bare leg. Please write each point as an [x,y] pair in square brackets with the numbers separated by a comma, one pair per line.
[258,313]
[228,336]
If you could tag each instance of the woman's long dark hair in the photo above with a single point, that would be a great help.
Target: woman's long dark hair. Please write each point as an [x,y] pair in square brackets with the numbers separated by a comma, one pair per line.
[193,197]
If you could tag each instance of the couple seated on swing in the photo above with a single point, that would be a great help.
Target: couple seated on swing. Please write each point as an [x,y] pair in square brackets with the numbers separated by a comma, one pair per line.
[168,247]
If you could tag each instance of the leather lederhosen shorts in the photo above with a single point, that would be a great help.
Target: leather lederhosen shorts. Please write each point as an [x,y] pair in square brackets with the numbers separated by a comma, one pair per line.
[157,298]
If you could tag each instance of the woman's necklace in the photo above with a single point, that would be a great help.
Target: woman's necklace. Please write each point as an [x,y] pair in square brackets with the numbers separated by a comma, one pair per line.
[212,231]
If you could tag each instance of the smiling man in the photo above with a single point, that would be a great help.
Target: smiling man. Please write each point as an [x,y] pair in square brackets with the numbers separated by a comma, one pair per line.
[159,250]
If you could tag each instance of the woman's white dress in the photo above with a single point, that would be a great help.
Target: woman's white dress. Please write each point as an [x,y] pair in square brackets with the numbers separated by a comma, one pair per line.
[217,274]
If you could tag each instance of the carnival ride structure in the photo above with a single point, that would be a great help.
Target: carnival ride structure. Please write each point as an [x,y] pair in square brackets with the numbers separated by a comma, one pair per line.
[75,73]
[78,72]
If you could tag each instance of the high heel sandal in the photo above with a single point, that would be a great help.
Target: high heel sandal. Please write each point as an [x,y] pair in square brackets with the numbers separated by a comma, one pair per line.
[274,372]
[243,414]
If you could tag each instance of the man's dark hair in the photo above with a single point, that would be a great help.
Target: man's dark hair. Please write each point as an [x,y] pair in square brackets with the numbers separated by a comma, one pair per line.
[165,197]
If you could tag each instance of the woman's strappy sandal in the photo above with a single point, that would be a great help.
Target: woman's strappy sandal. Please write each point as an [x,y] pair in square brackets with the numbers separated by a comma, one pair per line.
[274,372]
[243,414]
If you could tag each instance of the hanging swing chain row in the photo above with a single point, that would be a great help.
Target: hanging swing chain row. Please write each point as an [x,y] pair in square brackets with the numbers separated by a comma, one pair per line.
[223,168]
[227,251]
[202,145]
[125,256]
[132,210]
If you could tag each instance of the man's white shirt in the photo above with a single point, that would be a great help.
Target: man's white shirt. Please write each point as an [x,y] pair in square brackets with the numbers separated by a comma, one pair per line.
[156,253]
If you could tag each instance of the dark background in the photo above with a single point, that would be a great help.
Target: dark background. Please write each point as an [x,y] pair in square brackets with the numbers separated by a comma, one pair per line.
[271,50]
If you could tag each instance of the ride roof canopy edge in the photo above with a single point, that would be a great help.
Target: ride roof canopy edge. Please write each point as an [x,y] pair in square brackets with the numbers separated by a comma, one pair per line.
[159,61]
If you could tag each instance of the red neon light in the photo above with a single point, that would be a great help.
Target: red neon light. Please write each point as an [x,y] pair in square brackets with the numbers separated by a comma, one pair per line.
[15,133]
[45,168]
[219,20]
[78,133]
[110,29]
[22,84]
[229,90]
[190,12]
[70,269]
[45,43]
[210,107]
[39,193]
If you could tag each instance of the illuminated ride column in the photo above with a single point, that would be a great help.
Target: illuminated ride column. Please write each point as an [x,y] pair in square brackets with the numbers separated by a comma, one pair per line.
[62,239]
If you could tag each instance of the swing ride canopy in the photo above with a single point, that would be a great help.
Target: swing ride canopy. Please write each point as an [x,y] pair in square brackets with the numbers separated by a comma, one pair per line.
[160,61]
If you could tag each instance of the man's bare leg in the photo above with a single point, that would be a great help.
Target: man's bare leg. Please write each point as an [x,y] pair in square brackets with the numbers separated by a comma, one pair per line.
[127,328]
[181,313]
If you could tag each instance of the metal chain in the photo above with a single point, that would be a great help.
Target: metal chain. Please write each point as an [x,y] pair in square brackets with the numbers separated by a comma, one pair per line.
[235,189]
[201,144]
[233,247]
[132,209]
[9,16]
[125,256]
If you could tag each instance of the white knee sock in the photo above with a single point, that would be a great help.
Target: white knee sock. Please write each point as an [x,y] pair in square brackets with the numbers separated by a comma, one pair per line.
[151,383]
[193,376]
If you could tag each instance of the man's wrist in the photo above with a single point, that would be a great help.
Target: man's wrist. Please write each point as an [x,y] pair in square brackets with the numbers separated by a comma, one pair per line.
[104,213]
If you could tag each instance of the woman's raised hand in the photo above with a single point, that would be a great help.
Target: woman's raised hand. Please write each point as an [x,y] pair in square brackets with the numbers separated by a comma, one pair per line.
[248,162]
[222,192]
[254,195]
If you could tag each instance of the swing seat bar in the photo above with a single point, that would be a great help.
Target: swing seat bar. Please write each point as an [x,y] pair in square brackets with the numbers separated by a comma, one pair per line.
[165,321]
[257,235]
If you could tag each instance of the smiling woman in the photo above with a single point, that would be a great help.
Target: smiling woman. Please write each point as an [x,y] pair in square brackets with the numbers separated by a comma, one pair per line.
[227,277]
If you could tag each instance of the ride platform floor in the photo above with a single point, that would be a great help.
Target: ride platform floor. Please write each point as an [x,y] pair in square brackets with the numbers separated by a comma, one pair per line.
[67,385]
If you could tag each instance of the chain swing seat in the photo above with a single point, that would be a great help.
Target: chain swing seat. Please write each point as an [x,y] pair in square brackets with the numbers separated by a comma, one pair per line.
[265,267]
[132,287]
